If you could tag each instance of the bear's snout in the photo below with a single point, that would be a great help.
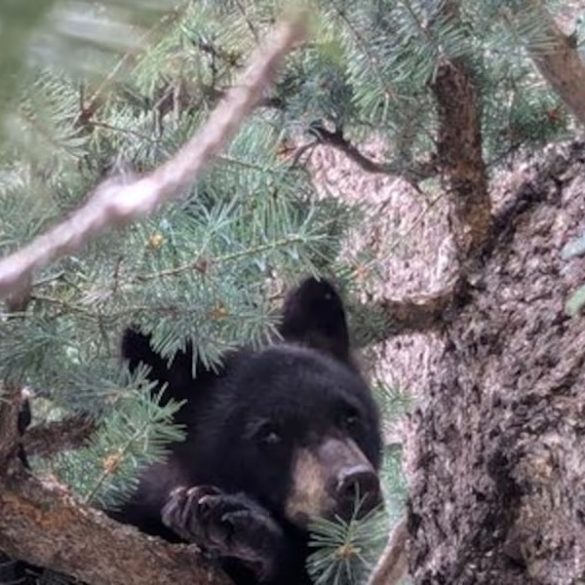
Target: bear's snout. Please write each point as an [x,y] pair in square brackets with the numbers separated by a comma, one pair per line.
[333,478]
[357,489]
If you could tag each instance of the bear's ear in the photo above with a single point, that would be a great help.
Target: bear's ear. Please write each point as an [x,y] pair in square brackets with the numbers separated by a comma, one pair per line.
[177,375]
[136,349]
[313,315]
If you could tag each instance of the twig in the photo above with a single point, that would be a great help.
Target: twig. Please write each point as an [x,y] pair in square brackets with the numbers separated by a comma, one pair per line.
[413,174]
[300,151]
[87,108]
[47,439]
[392,565]
[248,21]
[200,264]
[10,404]
[420,312]
[557,57]
[114,203]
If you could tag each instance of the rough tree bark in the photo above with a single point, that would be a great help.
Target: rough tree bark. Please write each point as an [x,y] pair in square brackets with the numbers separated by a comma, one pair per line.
[459,146]
[497,460]
[44,525]
[47,439]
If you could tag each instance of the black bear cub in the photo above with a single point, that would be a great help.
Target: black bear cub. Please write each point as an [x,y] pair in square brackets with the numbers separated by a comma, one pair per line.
[275,439]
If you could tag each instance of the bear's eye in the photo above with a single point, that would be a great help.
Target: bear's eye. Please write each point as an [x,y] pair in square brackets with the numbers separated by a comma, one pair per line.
[349,418]
[268,434]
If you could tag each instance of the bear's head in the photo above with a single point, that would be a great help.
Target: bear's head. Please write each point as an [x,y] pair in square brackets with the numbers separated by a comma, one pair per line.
[296,426]
[293,425]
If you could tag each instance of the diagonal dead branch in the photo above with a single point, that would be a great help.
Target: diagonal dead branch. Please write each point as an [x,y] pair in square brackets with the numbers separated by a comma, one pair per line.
[557,59]
[460,149]
[43,524]
[44,440]
[392,565]
[114,203]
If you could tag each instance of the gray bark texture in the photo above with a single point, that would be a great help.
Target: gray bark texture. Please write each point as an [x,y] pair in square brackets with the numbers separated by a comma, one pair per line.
[497,455]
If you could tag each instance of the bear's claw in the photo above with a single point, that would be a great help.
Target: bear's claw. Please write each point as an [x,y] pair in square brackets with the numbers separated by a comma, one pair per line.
[225,525]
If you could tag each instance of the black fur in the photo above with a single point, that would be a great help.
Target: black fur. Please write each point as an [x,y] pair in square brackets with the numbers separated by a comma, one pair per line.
[229,486]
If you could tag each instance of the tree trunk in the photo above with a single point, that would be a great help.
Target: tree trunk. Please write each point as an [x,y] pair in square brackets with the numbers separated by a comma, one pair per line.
[497,460]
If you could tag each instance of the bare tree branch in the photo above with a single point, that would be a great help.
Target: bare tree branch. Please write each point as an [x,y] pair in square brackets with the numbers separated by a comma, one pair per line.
[460,149]
[413,314]
[558,60]
[47,439]
[44,525]
[392,565]
[418,312]
[413,173]
[114,203]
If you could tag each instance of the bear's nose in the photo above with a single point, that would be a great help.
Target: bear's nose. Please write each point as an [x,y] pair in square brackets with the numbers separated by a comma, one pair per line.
[358,485]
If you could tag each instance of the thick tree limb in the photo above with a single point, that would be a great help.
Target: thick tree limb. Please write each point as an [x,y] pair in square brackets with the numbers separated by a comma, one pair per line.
[460,150]
[392,565]
[558,60]
[45,526]
[114,203]
[44,440]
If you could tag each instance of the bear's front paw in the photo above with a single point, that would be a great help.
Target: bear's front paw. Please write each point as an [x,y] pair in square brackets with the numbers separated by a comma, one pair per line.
[226,525]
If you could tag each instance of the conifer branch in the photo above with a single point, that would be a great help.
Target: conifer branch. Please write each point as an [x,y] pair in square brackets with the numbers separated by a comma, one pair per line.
[558,60]
[43,524]
[392,565]
[44,440]
[460,149]
[89,107]
[115,203]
